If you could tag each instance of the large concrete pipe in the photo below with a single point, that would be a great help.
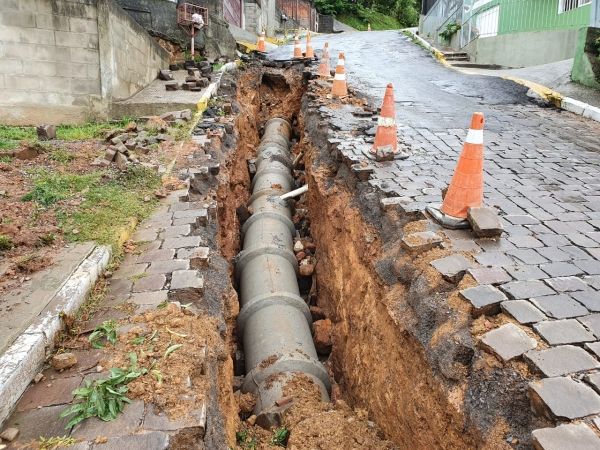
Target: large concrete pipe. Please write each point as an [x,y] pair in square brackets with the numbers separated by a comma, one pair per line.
[274,321]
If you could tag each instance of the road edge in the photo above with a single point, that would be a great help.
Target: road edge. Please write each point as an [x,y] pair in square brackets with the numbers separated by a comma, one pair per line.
[550,95]
[23,359]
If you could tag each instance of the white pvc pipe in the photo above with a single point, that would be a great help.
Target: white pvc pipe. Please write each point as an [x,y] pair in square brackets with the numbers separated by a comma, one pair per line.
[294,193]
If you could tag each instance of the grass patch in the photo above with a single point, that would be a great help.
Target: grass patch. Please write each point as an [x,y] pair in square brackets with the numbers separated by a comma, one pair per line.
[5,159]
[110,206]
[378,21]
[6,242]
[11,136]
[55,442]
[109,201]
[51,187]
[62,156]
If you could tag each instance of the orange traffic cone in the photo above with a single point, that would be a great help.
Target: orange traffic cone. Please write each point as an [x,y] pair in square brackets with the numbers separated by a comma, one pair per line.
[297,49]
[324,64]
[385,147]
[261,43]
[339,87]
[310,53]
[466,187]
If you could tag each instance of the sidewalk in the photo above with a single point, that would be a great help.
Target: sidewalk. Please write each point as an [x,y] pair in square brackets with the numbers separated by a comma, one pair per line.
[556,76]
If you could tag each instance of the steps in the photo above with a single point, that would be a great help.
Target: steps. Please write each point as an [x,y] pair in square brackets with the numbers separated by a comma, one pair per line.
[456,56]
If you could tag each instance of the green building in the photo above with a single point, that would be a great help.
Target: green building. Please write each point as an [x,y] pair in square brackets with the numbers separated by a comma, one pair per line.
[511,33]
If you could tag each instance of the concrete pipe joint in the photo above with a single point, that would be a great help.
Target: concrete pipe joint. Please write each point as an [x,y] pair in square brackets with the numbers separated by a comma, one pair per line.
[274,321]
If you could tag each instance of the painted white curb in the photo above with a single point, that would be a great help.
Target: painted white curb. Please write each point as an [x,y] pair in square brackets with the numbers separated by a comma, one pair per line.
[24,358]
[580,108]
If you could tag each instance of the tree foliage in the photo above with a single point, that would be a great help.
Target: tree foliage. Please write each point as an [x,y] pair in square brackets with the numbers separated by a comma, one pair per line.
[405,11]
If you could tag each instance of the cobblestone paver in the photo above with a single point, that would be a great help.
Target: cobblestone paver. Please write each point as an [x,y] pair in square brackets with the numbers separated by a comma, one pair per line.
[542,175]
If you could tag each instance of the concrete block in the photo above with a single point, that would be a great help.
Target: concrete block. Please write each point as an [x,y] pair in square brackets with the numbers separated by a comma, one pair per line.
[572,436]
[421,241]
[22,82]
[563,398]
[181,242]
[559,306]
[187,279]
[562,360]
[575,106]
[508,341]
[84,55]
[82,25]
[52,22]
[592,112]
[592,322]
[77,40]
[153,282]
[168,266]
[526,289]
[21,19]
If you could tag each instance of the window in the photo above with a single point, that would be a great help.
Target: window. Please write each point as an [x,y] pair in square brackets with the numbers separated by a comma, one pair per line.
[568,5]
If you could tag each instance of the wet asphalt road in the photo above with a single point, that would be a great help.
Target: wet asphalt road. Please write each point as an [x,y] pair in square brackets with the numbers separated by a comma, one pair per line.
[427,94]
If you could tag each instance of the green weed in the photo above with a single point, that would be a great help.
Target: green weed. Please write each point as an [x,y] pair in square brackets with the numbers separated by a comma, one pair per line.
[280,437]
[47,239]
[62,156]
[104,399]
[5,158]
[6,242]
[244,440]
[11,136]
[107,330]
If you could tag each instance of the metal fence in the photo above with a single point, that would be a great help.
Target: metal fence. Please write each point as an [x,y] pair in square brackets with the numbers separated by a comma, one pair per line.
[301,11]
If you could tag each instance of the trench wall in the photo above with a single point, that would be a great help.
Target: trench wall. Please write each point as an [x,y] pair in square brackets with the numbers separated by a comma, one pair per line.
[64,61]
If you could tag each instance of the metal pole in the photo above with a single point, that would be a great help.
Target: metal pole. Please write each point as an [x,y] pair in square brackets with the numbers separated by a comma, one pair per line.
[193,32]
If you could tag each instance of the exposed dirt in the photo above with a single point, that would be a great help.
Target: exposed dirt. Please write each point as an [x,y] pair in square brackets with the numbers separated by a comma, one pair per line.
[174,382]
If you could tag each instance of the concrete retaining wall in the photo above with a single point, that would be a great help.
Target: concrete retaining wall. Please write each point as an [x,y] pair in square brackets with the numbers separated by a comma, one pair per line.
[129,57]
[586,66]
[56,64]
[524,49]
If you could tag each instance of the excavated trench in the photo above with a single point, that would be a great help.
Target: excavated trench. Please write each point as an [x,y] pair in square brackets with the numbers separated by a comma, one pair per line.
[385,393]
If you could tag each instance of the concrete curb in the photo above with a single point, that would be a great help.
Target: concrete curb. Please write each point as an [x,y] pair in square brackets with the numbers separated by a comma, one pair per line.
[556,98]
[23,360]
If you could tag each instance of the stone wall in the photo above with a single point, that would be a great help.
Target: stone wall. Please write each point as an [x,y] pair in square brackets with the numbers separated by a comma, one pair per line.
[49,65]
[58,66]
[129,57]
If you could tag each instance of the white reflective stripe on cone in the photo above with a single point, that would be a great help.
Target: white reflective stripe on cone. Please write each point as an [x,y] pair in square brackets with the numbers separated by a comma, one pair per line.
[386,121]
[340,76]
[341,62]
[475,137]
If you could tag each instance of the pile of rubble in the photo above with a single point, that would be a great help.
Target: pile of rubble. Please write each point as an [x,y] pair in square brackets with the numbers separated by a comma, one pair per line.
[199,77]
[125,143]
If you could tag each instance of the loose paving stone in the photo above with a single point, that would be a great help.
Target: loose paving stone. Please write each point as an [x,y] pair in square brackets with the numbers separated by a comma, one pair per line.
[190,213]
[563,398]
[452,268]
[592,322]
[565,331]
[593,379]
[118,290]
[508,341]
[130,271]
[168,266]
[489,275]
[153,298]
[126,423]
[526,272]
[526,289]
[593,281]
[484,221]
[143,235]
[157,255]
[37,422]
[560,306]
[561,269]
[464,245]
[523,311]
[187,279]
[156,420]
[484,299]
[521,219]
[154,440]
[566,284]
[181,242]
[200,258]
[590,267]
[568,436]
[177,231]
[49,393]
[153,282]
[553,253]
[494,259]
[594,347]
[421,241]
[527,256]
[562,360]
[588,298]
